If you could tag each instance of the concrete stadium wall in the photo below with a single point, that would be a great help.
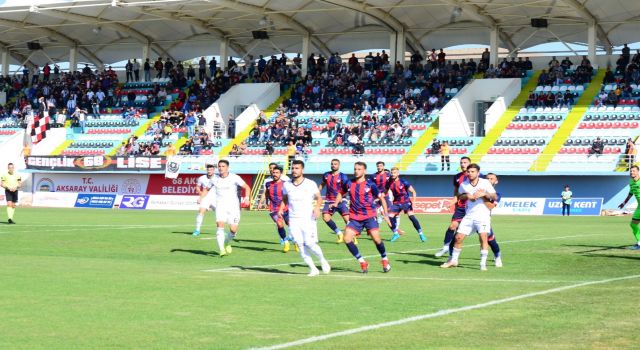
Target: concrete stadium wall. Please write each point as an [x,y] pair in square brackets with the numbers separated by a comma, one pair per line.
[501,104]
[457,113]
[262,95]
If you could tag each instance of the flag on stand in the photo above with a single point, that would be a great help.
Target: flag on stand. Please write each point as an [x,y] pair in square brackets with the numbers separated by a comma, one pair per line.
[39,127]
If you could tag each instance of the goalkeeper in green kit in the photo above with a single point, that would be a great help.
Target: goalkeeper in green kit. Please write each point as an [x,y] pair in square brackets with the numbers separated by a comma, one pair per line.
[634,190]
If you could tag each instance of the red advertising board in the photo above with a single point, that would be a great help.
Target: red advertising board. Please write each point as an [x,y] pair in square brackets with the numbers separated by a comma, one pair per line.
[184,184]
[433,205]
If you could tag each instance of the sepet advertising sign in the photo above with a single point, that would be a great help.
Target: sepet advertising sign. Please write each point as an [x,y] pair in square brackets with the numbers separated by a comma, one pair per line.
[138,201]
[433,205]
[92,200]
[54,199]
[519,206]
[579,206]
[97,163]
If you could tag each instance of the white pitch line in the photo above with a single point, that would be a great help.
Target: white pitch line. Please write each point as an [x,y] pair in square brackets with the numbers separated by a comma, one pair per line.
[87,229]
[299,263]
[388,277]
[440,313]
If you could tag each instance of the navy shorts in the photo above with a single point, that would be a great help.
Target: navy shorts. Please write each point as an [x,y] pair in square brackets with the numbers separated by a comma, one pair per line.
[11,196]
[275,217]
[458,214]
[367,224]
[403,207]
[340,208]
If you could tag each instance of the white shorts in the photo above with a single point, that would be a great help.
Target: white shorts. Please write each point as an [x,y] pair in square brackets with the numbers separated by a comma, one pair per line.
[229,214]
[303,231]
[209,201]
[470,225]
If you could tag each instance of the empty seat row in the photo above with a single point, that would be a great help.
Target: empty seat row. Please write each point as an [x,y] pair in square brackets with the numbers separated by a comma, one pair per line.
[612,117]
[608,125]
[531,126]
[561,88]
[585,150]
[82,152]
[458,142]
[514,150]
[8,132]
[91,144]
[537,118]
[589,142]
[520,142]
[109,131]
[120,123]
[453,150]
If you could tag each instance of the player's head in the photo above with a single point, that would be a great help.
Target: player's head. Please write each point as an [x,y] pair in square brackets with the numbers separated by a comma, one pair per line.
[10,168]
[297,169]
[211,168]
[634,171]
[271,166]
[473,171]
[380,166]
[359,169]
[223,167]
[276,173]
[566,187]
[493,178]
[395,172]
[464,163]
[335,164]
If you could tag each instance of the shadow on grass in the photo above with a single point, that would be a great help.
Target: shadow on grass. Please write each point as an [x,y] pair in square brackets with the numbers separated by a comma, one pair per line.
[257,249]
[608,256]
[189,233]
[596,248]
[194,251]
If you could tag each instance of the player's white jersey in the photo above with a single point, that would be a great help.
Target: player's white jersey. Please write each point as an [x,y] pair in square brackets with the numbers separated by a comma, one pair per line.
[226,188]
[300,198]
[477,209]
[204,182]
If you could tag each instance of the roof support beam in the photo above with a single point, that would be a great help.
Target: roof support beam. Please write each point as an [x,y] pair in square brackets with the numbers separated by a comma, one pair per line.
[475,11]
[54,34]
[219,34]
[277,17]
[385,18]
[143,39]
[591,19]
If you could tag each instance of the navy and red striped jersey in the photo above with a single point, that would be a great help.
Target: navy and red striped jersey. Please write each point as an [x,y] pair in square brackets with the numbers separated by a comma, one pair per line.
[458,179]
[334,184]
[274,194]
[363,195]
[380,179]
[400,190]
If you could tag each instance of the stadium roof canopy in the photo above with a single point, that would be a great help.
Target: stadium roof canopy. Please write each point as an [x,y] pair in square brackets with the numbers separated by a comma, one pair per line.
[106,31]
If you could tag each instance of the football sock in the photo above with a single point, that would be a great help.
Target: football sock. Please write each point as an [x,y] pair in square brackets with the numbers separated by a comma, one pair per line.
[315,249]
[483,257]
[305,256]
[220,238]
[448,237]
[354,250]
[394,223]
[416,223]
[10,211]
[332,225]
[455,254]
[635,229]
[282,233]
[493,243]
[381,249]
[199,219]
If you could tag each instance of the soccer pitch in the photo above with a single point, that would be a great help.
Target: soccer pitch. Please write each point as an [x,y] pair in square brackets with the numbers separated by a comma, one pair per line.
[84,279]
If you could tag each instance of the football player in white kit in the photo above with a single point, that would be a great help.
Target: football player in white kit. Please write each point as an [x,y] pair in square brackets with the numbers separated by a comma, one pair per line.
[298,195]
[207,197]
[225,185]
[477,192]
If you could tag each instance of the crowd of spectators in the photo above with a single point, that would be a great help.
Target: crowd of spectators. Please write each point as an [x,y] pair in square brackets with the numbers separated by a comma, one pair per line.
[625,76]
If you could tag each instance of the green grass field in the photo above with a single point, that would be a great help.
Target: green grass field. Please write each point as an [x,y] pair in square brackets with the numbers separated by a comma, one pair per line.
[86,279]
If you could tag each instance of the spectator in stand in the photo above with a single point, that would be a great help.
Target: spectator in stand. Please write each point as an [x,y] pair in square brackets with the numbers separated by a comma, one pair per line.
[596,148]
[630,153]
[444,156]
[435,147]
[269,149]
